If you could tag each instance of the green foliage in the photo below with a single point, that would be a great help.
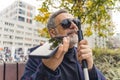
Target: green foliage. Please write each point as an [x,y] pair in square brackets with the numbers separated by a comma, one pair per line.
[55,42]
[108,61]
[95,13]
[100,51]
[109,65]
[43,13]
[44,32]
[88,32]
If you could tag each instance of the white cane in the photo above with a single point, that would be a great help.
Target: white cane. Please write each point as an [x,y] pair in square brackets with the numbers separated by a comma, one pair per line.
[84,63]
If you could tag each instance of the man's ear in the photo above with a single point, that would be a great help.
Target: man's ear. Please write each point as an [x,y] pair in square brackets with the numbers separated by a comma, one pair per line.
[52,33]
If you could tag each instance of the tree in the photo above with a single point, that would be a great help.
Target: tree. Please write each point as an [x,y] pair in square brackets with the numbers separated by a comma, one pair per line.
[95,13]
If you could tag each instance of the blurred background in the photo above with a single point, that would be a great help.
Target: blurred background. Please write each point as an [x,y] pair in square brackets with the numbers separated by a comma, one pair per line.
[23,26]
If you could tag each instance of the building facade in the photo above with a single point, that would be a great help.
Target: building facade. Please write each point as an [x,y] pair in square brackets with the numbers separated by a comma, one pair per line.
[18,30]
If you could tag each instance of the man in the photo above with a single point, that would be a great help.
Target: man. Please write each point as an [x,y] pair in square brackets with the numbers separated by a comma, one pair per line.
[65,64]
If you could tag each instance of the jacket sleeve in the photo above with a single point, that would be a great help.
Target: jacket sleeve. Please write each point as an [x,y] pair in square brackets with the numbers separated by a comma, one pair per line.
[35,70]
[95,74]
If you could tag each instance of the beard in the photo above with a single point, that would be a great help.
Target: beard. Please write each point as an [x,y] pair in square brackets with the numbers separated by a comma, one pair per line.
[73,39]
[72,35]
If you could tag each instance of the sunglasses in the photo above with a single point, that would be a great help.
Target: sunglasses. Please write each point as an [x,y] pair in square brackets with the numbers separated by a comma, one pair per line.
[66,23]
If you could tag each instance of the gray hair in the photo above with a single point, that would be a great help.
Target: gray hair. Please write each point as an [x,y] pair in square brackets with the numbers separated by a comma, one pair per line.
[51,21]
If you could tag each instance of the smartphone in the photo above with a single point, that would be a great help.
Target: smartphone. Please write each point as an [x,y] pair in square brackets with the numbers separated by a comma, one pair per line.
[44,51]
[47,49]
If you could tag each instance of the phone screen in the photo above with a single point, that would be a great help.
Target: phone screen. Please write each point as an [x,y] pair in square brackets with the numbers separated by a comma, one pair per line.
[47,49]
[44,51]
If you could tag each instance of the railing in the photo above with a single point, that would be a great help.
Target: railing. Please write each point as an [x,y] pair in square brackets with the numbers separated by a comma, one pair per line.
[11,70]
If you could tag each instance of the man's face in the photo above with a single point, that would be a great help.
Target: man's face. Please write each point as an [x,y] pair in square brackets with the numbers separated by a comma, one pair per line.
[70,31]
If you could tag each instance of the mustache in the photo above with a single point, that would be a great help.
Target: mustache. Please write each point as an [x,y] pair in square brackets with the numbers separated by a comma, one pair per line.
[61,37]
[72,31]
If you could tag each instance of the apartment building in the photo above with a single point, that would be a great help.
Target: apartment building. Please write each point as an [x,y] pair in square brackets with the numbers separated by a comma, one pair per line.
[18,28]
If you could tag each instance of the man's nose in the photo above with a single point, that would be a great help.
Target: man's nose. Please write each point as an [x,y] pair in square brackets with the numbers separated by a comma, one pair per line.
[73,26]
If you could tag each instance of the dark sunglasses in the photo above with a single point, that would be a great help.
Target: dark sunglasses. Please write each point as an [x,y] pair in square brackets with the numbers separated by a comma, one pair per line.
[66,23]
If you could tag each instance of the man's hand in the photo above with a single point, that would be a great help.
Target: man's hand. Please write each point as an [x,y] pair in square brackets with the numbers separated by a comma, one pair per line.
[85,52]
[54,61]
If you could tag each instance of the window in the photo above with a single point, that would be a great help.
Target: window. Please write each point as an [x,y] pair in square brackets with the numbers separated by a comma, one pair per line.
[18,44]
[21,11]
[22,4]
[6,29]
[36,40]
[19,26]
[21,18]
[8,36]
[28,39]
[18,38]
[9,24]
[29,8]
[29,21]
[0,28]
[19,32]
[29,14]
[28,34]
[11,30]
[26,44]
[7,43]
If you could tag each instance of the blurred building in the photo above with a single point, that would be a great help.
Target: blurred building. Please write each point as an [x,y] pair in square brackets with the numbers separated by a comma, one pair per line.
[18,28]
[117,35]
[116,40]
[94,40]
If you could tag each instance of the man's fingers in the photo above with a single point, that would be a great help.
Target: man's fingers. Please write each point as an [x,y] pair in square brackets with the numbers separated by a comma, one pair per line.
[66,42]
[84,42]
[59,51]
[84,51]
[63,48]
[82,47]
[84,56]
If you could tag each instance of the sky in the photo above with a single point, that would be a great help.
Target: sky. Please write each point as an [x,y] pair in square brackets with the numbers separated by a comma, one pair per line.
[115,15]
[5,3]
